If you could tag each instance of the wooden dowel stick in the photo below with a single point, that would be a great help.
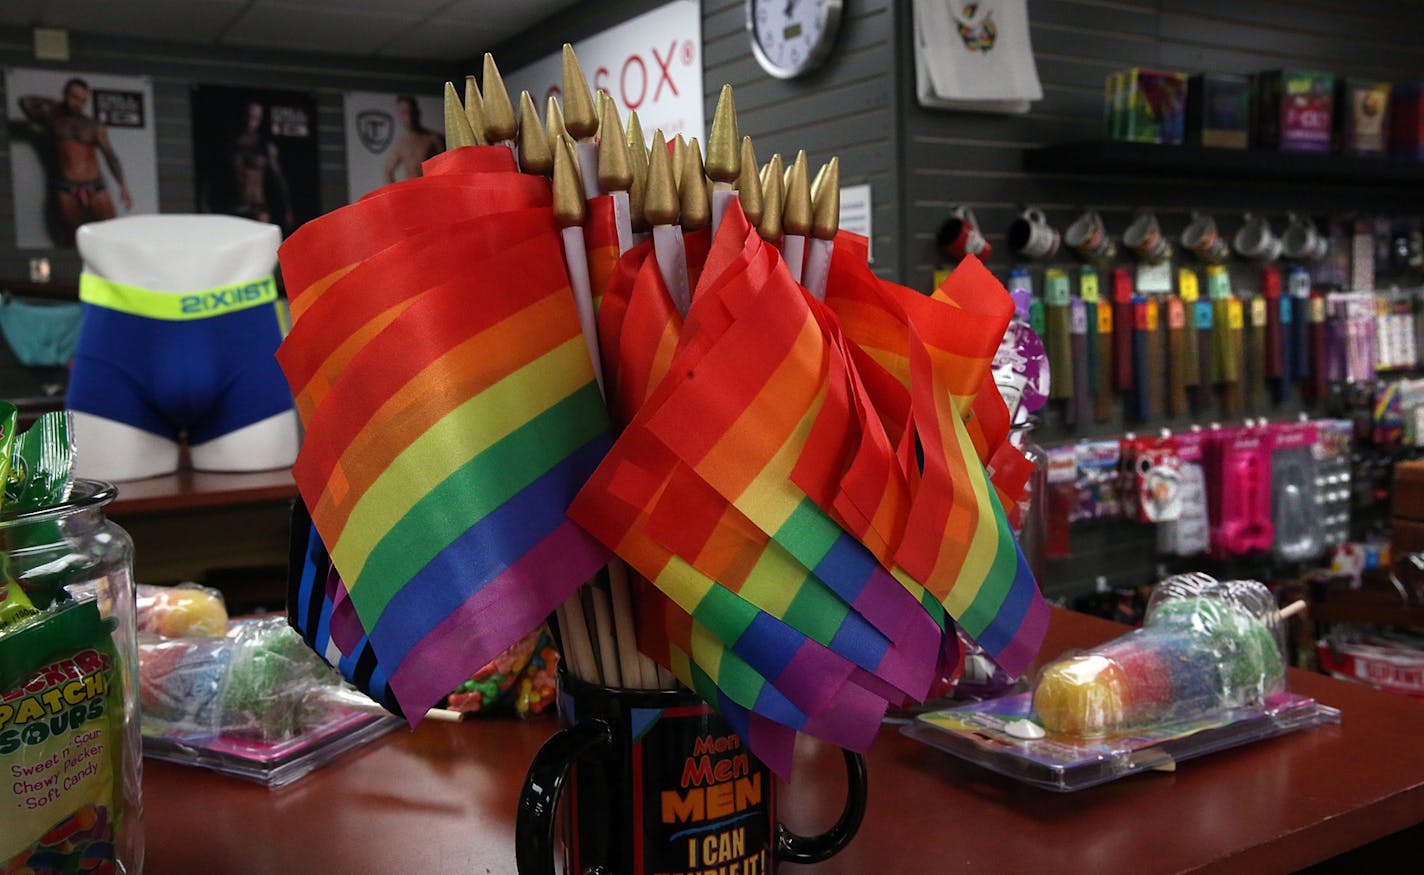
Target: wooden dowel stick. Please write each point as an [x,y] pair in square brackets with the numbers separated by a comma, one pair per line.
[603,624]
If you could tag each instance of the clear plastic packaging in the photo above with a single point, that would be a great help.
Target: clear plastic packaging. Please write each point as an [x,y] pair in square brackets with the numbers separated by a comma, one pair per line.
[1207,646]
[185,610]
[1204,674]
[259,681]
[256,703]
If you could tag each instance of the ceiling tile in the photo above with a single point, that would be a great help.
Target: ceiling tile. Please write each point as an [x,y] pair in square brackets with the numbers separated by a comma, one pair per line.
[317,30]
[21,12]
[182,20]
[439,40]
[520,14]
[416,9]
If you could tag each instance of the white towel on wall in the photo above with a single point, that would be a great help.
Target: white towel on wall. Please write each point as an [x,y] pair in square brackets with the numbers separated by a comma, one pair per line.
[974,55]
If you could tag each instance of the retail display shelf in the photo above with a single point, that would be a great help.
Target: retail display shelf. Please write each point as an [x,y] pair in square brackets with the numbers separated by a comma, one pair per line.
[1201,162]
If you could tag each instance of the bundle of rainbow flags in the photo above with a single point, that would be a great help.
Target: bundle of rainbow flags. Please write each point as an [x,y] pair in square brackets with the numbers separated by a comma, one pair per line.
[558,358]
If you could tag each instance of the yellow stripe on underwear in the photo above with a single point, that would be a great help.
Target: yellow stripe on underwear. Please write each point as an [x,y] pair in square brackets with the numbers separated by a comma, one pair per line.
[176,306]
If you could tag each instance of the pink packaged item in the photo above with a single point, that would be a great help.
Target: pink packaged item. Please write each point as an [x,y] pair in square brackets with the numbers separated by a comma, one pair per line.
[1238,464]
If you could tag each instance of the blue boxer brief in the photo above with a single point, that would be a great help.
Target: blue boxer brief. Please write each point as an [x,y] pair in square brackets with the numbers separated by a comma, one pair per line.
[165,362]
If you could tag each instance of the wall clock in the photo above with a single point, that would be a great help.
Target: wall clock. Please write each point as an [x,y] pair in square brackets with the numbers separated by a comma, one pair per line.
[791,38]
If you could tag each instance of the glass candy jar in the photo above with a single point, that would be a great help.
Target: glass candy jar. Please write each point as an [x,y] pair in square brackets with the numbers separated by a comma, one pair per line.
[69,723]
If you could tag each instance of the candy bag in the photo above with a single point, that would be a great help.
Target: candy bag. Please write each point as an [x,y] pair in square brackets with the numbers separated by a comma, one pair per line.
[40,464]
[61,741]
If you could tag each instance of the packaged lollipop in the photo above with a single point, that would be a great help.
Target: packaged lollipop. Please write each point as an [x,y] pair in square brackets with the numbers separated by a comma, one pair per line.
[1207,646]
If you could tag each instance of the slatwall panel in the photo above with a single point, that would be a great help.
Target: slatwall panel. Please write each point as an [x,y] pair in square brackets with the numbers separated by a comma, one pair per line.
[847,108]
[976,159]
[175,68]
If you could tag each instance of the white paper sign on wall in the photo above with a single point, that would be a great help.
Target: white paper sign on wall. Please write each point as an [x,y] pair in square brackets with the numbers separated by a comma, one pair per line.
[652,64]
[855,214]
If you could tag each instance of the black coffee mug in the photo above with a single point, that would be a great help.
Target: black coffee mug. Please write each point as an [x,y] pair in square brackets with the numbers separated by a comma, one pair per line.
[658,782]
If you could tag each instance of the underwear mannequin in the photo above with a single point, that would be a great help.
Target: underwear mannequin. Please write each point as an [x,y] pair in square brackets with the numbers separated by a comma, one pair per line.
[180,328]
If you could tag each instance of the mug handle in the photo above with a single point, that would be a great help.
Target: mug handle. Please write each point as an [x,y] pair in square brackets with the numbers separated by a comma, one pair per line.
[792,848]
[534,825]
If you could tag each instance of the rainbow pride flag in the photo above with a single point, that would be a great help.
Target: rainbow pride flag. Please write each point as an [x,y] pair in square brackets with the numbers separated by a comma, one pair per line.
[445,447]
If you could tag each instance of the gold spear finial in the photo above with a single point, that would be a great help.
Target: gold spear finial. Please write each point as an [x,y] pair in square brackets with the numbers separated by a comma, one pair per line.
[500,123]
[638,163]
[816,183]
[660,206]
[826,205]
[693,198]
[748,184]
[568,146]
[457,125]
[615,173]
[635,130]
[535,156]
[679,157]
[475,110]
[796,215]
[568,191]
[724,156]
[554,120]
[580,117]
[772,200]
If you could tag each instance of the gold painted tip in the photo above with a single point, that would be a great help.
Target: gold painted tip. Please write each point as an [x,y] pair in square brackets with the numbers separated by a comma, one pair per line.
[692,195]
[772,201]
[457,125]
[554,120]
[796,214]
[679,157]
[724,156]
[580,116]
[638,163]
[748,184]
[826,205]
[635,131]
[535,156]
[568,192]
[660,205]
[500,123]
[475,110]
[817,182]
[568,143]
[615,172]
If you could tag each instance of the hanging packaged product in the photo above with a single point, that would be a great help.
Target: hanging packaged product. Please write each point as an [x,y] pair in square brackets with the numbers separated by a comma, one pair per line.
[1062,499]
[1098,493]
[1237,464]
[1187,535]
[1020,365]
[1294,509]
[1332,479]
[1157,479]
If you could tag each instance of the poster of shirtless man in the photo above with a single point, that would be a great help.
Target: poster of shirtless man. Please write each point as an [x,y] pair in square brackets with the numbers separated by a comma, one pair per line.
[84,152]
[388,136]
[256,154]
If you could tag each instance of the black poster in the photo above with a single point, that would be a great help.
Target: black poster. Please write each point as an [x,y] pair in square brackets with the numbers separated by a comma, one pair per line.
[255,154]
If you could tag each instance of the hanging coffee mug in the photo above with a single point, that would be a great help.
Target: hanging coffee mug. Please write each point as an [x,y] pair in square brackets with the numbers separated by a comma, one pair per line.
[1089,237]
[1202,239]
[658,782]
[960,236]
[1256,240]
[1031,236]
[1302,242]
[1145,238]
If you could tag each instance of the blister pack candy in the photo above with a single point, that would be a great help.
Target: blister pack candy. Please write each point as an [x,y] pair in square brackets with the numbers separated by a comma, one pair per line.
[1207,647]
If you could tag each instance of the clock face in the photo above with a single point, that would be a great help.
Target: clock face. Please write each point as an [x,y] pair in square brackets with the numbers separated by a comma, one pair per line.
[792,37]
